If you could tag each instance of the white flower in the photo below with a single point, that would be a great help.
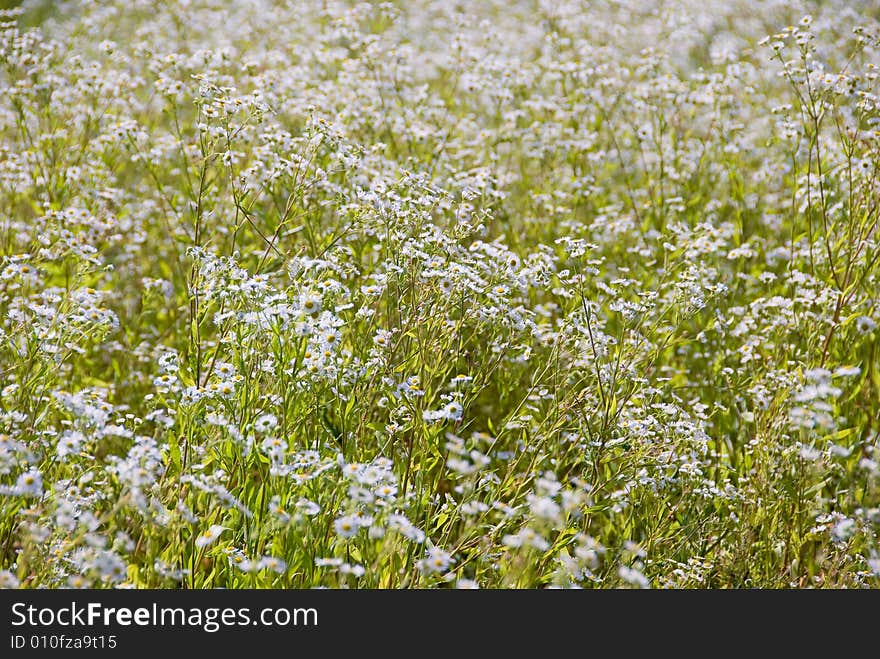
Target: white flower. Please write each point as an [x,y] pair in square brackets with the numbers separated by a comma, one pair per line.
[864,325]
[633,576]
[532,538]
[843,529]
[410,387]
[8,579]
[436,561]
[210,536]
[311,304]
[354,570]
[330,337]
[371,289]
[346,526]
[512,540]
[77,581]
[265,423]
[453,411]
[274,448]
[69,443]
[403,526]
[386,491]
[272,563]
[110,566]
[224,369]
[308,508]
[543,507]
[382,338]
[467,584]
[28,484]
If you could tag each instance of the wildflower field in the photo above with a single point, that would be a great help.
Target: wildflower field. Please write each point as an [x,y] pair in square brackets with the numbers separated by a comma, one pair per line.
[497,294]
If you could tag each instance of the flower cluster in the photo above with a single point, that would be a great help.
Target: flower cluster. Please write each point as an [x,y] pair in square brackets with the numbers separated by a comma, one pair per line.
[439,294]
